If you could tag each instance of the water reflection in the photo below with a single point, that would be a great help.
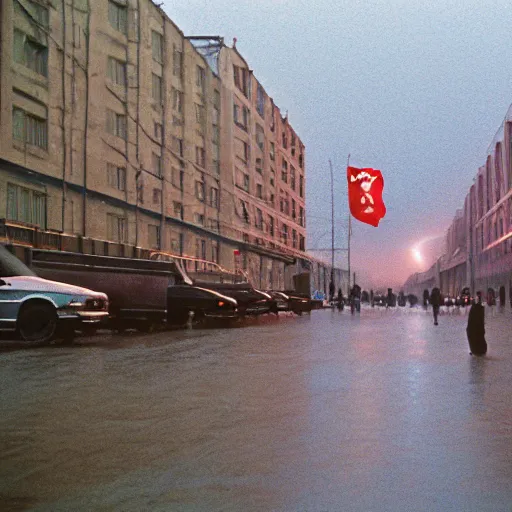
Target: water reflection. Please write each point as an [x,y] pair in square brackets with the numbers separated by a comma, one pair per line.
[328,412]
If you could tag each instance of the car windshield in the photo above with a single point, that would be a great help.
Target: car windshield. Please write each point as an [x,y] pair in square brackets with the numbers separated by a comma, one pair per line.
[10,266]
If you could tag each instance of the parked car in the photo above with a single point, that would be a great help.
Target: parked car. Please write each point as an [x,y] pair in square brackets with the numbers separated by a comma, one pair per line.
[250,301]
[203,302]
[290,300]
[300,302]
[40,310]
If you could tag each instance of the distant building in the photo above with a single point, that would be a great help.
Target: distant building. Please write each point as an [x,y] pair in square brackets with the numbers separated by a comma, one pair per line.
[479,241]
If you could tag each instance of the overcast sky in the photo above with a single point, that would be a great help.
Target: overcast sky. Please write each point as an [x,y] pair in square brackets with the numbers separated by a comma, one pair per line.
[414,88]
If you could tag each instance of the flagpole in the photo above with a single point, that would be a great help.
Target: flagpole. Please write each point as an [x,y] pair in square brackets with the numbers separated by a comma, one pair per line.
[332,223]
[349,233]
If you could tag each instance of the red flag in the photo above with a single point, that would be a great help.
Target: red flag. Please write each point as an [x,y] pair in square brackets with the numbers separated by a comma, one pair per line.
[365,195]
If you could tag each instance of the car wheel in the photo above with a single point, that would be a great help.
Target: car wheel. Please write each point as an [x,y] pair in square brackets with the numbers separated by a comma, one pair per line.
[178,317]
[146,326]
[37,322]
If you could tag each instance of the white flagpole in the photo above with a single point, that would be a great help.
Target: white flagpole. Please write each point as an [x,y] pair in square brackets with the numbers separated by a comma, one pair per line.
[349,231]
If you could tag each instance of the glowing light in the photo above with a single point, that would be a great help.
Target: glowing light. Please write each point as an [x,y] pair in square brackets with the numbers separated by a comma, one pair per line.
[417,255]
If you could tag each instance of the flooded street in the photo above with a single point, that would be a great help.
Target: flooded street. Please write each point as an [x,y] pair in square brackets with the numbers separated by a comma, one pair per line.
[381,411]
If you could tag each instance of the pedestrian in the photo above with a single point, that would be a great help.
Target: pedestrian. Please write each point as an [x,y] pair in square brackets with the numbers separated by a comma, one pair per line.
[425,298]
[476,328]
[340,300]
[435,300]
[331,292]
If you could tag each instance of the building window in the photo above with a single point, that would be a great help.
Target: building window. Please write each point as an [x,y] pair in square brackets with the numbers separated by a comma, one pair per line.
[247,152]
[259,165]
[260,101]
[259,218]
[199,219]
[157,164]
[29,129]
[201,78]
[116,124]
[294,214]
[177,177]
[200,114]
[294,239]
[177,100]
[26,205]
[200,156]
[200,253]
[260,137]
[177,62]
[30,53]
[259,191]
[242,80]
[118,16]
[157,196]
[158,131]
[214,224]
[236,113]
[116,228]
[215,135]
[271,225]
[178,210]
[244,212]
[177,245]
[215,251]
[272,151]
[284,171]
[301,186]
[236,76]
[214,197]
[177,146]
[245,117]
[284,234]
[200,186]
[301,217]
[154,236]
[301,161]
[285,141]
[116,71]
[292,177]
[39,13]
[116,176]
[302,243]
[246,182]
[156,89]
[157,46]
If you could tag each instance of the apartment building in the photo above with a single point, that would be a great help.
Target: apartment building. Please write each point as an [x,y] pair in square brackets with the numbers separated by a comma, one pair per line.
[109,126]
[115,126]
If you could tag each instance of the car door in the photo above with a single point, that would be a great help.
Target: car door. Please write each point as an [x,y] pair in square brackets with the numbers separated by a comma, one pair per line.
[10,300]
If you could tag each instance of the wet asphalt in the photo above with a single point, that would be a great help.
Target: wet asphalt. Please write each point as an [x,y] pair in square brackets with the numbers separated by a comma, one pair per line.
[380,411]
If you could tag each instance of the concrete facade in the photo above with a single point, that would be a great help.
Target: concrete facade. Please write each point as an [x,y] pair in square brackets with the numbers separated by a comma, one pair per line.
[115,127]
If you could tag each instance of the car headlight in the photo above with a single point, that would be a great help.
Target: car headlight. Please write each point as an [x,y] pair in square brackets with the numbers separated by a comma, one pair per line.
[76,303]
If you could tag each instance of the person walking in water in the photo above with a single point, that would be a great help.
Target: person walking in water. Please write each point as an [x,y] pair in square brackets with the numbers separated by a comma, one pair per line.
[435,300]
[476,328]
